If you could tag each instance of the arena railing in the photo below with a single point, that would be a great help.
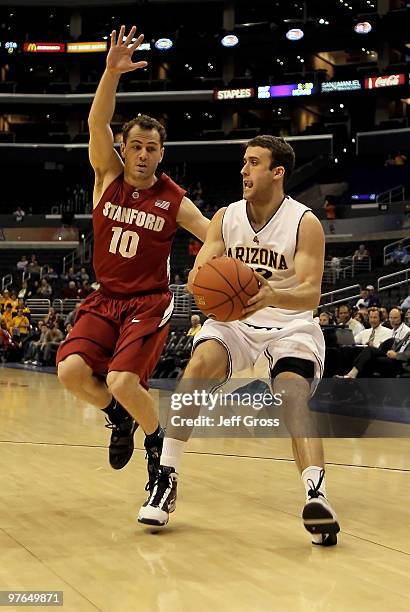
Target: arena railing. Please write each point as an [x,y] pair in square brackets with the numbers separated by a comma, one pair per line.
[389,248]
[6,281]
[403,277]
[342,295]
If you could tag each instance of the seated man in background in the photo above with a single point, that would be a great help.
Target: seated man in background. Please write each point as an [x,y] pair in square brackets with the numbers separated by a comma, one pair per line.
[344,317]
[195,326]
[377,333]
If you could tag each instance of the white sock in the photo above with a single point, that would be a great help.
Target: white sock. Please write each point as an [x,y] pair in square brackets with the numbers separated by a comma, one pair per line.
[312,473]
[172,453]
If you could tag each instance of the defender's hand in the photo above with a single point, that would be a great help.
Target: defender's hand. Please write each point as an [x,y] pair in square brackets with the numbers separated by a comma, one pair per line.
[119,58]
[264,297]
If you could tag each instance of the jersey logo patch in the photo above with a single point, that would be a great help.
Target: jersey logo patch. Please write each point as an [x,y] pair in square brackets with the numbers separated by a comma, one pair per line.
[163,204]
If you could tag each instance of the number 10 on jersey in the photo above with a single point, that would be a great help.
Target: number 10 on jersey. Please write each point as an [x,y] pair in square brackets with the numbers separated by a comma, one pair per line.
[124,242]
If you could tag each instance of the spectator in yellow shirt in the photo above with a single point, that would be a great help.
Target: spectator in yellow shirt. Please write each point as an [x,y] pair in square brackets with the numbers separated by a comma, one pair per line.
[21,323]
[195,325]
[8,316]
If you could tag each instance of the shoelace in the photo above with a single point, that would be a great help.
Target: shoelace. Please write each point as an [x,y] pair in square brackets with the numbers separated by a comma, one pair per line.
[150,455]
[116,427]
[166,482]
[314,490]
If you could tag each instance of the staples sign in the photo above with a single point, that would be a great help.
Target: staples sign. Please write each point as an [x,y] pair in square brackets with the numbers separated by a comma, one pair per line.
[234,94]
[391,80]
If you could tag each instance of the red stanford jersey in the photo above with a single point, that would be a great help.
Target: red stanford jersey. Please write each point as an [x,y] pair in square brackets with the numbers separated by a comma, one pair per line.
[133,234]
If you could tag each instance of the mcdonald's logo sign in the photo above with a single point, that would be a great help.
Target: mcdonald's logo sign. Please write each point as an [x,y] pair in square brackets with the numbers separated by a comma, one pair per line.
[40,47]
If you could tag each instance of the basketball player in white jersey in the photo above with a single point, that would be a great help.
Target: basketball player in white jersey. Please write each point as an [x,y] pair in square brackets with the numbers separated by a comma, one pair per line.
[284,242]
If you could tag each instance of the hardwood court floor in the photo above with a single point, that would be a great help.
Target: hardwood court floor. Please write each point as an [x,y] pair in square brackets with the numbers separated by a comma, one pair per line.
[235,542]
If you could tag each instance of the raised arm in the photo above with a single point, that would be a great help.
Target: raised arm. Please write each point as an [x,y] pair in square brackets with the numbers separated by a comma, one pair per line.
[106,162]
[190,218]
[213,246]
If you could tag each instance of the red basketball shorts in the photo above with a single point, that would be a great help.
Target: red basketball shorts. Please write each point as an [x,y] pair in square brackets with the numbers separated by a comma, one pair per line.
[121,335]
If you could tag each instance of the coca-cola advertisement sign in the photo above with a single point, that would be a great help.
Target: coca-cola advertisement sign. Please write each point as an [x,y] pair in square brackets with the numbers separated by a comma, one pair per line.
[390,80]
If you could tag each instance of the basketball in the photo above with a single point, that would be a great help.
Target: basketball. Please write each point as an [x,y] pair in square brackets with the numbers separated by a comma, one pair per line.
[222,288]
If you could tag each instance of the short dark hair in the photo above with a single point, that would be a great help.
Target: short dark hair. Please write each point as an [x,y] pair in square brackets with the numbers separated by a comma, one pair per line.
[145,122]
[375,309]
[344,305]
[282,153]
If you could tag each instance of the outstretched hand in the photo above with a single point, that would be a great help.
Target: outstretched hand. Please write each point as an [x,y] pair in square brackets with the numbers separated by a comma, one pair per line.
[262,299]
[119,58]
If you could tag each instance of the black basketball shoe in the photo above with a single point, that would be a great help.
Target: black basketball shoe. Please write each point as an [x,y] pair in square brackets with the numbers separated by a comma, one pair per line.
[122,442]
[162,500]
[153,447]
[318,516]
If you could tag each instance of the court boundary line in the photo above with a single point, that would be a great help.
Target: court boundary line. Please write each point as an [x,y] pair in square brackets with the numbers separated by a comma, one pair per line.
[210,454]
[50,569]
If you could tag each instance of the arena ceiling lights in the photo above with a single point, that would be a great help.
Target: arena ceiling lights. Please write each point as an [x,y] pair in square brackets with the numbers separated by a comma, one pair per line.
[230,40]
[164,44]
[363,27]
[295,34]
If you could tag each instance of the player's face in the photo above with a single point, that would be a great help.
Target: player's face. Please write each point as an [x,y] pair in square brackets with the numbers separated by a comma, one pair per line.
[258,179]
[142,153]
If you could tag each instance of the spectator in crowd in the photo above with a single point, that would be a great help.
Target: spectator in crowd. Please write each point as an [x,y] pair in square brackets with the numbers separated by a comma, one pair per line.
[34,267]
[24,292]
[72,315]
[406,316]
[398,324]
[33,336]
[82,275]
[361,254]
[70,292]
[85,290]
[35,347]
[6,341]
[22,263]
[387,360]
[44,290]
[400,255]
[344,317]
[25,309]
[405,303]
[194,247]
[372,297]
[51,275]
[326,318]
[8,317]
[178,280]
[50,317]
[70,275]
[390,160]
[377,333]
[19,214]
[330,208]
[3,297]
[360,317]
[385,317]
[363,300]
[195,326]
[20,324]
[53,338]
[400,159]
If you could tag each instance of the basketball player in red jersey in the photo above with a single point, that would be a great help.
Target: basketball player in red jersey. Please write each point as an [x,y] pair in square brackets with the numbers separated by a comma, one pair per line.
[121,328]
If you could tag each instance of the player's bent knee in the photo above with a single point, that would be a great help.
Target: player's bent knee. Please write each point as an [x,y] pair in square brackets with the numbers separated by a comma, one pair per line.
[123,385]
[209,360]
[73,371]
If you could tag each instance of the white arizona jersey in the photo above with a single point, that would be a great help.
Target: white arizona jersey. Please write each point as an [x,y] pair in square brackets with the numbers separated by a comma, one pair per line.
[270,251]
